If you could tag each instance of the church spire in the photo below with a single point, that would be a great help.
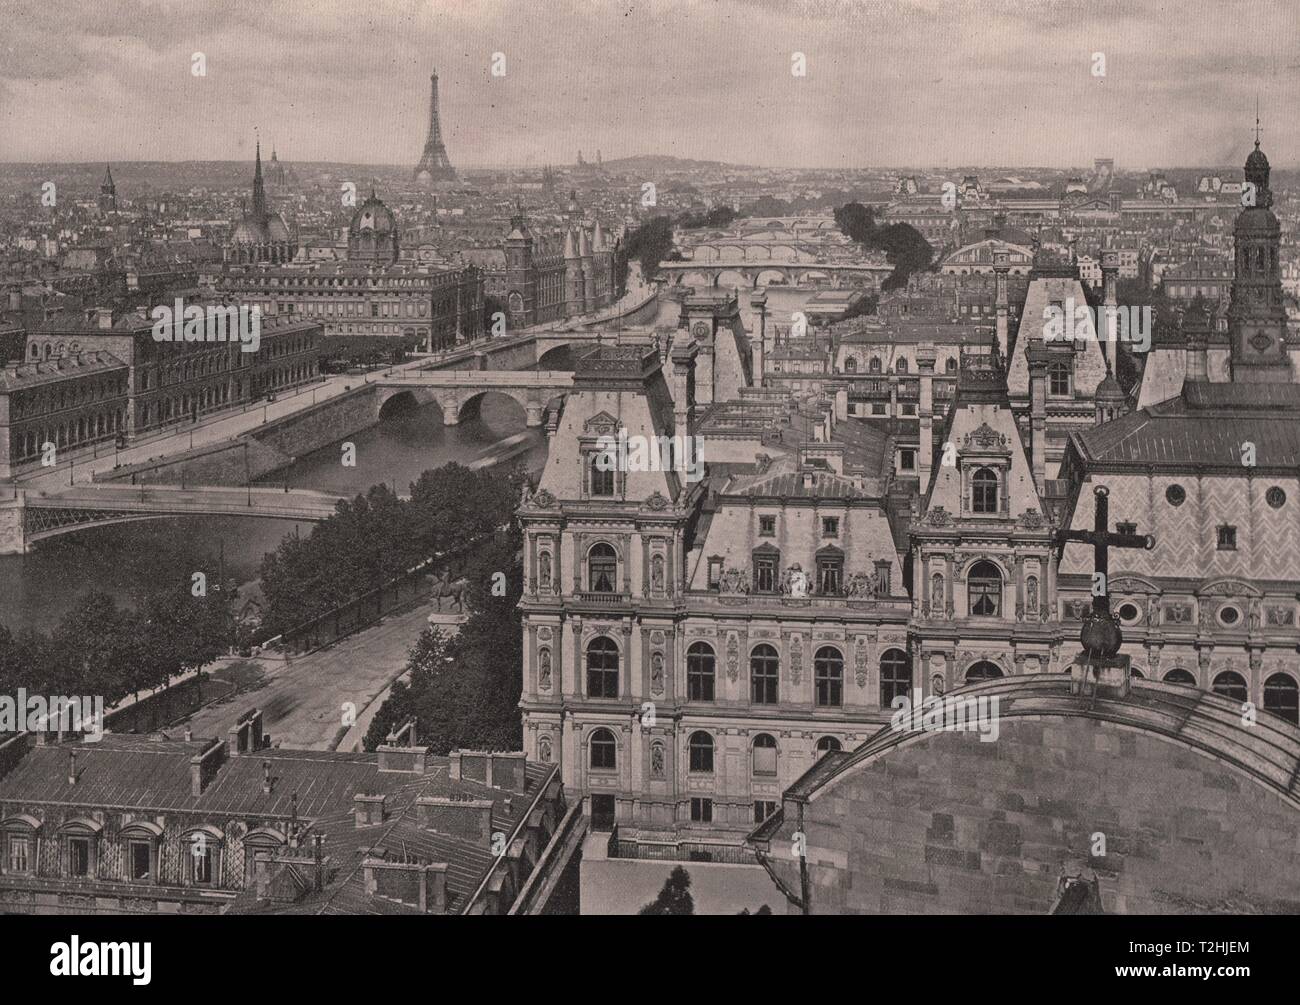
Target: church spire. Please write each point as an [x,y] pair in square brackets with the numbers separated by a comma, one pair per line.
[259,189]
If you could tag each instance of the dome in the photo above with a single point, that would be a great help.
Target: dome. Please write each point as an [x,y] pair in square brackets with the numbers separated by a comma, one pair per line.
[1109,391]
[374,216]
[1256,162]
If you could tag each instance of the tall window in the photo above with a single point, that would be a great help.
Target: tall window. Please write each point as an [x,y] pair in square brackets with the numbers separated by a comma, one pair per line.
[763,668]
[828,677]
[701,753]
[851,365]
[700,667]
[764,755]
[830,571]
[984,590]
[874,366]
[983,670]
[1230,685]
[604,751]
[602,568]
[602,474]
[18,857]
[78,856]
[1282,698]
[766,562]
[1058,379]
[203,862]
[602,668]
[984,491]
[895,676]
[901,366]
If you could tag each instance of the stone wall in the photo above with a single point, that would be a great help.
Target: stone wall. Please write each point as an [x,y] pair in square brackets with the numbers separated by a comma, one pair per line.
[947,823]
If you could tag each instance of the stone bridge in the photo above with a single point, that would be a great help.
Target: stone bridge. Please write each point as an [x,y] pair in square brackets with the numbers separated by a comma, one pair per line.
[753,274]
[459,392]
[27,517]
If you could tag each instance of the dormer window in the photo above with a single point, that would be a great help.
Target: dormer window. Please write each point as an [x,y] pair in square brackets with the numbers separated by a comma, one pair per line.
[1058,380]
[984,491]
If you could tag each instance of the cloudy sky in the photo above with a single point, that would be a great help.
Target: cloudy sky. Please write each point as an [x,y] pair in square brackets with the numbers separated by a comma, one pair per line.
[889,82]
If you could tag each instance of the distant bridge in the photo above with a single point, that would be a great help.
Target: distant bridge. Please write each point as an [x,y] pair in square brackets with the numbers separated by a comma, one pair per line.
[752,274]
[457,392]
[29,517]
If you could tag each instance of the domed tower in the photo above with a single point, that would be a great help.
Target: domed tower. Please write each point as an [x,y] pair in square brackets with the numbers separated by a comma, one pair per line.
[372,234]
[1110,400]
[1256,317]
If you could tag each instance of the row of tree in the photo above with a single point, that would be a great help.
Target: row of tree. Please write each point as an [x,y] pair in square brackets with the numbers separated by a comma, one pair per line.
[102,649]
[377,536]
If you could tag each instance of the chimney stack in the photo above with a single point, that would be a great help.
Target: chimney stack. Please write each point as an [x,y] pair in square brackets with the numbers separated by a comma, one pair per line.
[72,767]
[1110,299]
[1001,267]
[1039,357]
[925,360]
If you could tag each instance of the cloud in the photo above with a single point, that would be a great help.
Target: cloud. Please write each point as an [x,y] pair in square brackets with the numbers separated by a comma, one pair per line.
[890,82]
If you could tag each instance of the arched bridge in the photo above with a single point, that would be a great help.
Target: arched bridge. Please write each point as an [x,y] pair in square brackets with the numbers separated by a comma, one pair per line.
[457,392]
[28,517]
[708,273]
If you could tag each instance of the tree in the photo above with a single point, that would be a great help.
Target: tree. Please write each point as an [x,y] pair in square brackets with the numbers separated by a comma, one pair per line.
[650,244]
[675,897]
[762,910]
[905,249]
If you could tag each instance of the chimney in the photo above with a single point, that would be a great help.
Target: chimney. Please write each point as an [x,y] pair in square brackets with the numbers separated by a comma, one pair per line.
[683,386]
[103,318]
[72,767]
[246,733]
[925,359]
[1039,357]
[1110,298]
[467,819]
[266,777]
[189,733]
[408,882]
[368,810]
[1001,267]
[758,301]
[203,766]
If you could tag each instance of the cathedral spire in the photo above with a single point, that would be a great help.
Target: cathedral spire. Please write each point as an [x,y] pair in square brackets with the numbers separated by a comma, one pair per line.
[259,189]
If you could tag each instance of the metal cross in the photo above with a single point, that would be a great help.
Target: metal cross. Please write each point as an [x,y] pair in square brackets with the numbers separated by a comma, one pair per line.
[1101,540]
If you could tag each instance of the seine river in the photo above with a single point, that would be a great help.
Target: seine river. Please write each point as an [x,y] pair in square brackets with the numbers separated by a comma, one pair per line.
[37,589]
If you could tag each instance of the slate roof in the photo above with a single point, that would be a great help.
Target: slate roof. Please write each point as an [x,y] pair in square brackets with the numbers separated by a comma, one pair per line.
[1204,426]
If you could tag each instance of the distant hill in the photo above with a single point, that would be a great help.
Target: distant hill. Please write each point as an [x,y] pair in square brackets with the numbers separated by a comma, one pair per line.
[660,164]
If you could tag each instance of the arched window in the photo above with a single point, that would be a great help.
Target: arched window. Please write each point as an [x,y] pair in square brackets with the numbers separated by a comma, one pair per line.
[1281,697]
[1058,379]
[984,491]
[984,590]
[604,751]
[700,668]
[763,667]
[895,676]
[602,668]
[1230,685]
[851,365]
[602,473]
[874,365]
[764,755]
[901,365]
[1180,676]
[827,743]
[983,670]
[828,677]
[950,366]
[602,568]
[701,753]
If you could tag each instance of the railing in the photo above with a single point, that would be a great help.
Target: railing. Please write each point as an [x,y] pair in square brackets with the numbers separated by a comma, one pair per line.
[680,850]
[602,597]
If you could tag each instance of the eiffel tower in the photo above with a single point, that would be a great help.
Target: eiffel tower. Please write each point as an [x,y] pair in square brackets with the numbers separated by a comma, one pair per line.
[434,164]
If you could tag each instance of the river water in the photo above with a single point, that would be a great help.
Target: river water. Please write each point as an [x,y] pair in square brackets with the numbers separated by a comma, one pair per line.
[37,589]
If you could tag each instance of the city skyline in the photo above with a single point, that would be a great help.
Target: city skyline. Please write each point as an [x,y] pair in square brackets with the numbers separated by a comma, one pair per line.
[351,85]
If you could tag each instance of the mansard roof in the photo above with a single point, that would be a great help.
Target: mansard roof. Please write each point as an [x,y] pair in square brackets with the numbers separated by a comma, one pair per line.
[1206,425]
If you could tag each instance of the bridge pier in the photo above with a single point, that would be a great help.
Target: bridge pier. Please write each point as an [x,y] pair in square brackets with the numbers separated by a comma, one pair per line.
[13,536]
[536,415]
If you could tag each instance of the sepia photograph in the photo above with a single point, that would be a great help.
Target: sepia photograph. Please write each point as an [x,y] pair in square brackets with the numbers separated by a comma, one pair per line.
[617,458]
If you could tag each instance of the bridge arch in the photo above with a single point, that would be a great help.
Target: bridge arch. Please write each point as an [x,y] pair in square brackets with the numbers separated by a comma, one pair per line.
[471,405]
[732,277]
[558,357]
[771,275]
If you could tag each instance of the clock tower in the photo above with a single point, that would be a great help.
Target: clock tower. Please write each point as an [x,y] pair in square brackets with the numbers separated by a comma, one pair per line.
[1257,318]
